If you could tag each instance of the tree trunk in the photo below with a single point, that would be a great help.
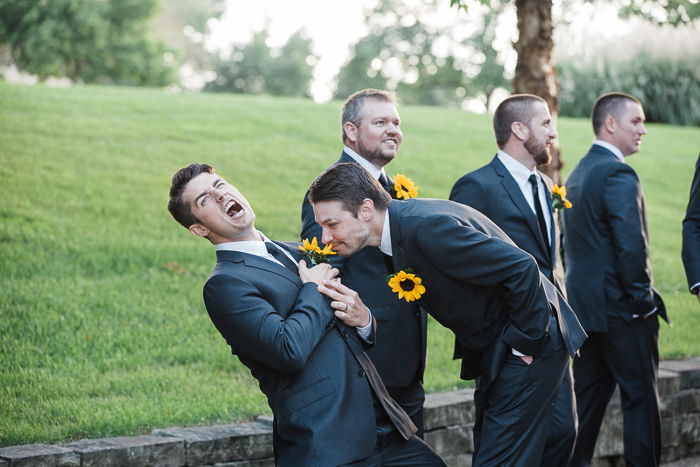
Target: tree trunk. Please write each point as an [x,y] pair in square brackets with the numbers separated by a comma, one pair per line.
[534,73]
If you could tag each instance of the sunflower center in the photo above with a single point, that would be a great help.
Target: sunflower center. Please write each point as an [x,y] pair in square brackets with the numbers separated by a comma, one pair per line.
[407,285]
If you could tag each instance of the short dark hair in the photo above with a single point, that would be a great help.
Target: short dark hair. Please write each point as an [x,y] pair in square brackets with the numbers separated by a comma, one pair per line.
[350,184]
[516,108]
[609,104]
[181,211]
[352,109]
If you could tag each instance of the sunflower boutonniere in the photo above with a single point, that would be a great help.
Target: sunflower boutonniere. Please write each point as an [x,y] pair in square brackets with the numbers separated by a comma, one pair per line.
[314,253]
[408,285]
[404,186]
[559,200]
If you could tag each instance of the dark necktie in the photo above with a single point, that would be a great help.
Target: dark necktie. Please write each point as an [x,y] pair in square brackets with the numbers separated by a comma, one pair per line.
[538,209]
[388,186]
[281,257]
[396,414]
[389,263]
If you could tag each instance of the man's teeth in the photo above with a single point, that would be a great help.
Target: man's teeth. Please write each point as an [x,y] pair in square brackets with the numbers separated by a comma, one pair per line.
[232,208]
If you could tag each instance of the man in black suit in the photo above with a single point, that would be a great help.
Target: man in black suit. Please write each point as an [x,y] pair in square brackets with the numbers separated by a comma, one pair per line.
[517,197]
[371,134]
[476,282]
[610,285]
[330,407]
[691,235]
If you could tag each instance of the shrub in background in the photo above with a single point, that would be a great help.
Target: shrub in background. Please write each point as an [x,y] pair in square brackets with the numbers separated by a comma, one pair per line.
[669,89]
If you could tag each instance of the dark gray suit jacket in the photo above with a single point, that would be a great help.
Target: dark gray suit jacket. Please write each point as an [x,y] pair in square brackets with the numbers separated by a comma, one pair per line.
[691,231]
[489,292]
[606,242]
[285,332]
[493,191]
[399,351]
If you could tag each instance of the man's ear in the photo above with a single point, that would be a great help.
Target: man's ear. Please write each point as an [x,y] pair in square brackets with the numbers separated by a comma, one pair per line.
[350,131]
[366,210]
[199,230]
[610,124]
[520,130]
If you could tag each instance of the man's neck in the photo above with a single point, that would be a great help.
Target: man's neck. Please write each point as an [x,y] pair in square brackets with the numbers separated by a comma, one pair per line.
[520,155]
[362,160]
[249,235]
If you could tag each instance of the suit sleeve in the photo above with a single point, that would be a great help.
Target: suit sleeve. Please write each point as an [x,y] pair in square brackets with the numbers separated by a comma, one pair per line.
[467,190]
[252,327]
[624,208]
[468,255]
[691,231]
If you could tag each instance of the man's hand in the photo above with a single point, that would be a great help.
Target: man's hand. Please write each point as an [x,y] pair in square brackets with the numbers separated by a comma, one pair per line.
[347,304]
[527,359]
[697,295]
[317,274]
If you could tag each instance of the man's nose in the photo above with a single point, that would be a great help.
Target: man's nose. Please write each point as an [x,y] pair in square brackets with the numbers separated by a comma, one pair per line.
[326,237]
[643,129]
[217,194]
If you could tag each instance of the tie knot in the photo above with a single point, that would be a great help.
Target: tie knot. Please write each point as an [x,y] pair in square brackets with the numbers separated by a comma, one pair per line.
[533,180]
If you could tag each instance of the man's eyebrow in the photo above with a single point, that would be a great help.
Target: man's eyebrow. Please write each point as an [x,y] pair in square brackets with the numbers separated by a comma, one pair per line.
[216,182]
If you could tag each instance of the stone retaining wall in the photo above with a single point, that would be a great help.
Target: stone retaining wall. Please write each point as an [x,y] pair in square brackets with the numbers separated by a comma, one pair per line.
[449,418]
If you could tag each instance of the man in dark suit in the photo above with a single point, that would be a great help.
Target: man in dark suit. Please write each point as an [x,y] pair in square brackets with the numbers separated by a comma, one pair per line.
[517,197]
[371,134]
[330,407]
[475,281]
[610,285]
[691,235]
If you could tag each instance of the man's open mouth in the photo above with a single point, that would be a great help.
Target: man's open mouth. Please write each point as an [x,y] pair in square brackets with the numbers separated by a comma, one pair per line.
[233,208]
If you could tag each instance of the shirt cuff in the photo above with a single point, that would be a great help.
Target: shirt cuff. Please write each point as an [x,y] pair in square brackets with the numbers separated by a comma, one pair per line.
[519,354]
[695,289]
[366,331]
[645,316]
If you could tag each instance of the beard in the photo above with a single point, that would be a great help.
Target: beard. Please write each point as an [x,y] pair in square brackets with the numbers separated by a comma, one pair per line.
[375,155]
[540,152]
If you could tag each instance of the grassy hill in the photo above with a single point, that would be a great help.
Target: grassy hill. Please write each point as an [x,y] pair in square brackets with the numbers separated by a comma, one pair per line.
[103,328]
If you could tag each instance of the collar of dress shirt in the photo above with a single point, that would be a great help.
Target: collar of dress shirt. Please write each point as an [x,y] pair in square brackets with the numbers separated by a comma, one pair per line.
[367,165]
[520,173]
[385,242]
[610,147]
[253,247]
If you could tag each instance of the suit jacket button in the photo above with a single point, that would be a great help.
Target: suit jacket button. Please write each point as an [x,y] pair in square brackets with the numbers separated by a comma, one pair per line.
[345,334]
[361,373]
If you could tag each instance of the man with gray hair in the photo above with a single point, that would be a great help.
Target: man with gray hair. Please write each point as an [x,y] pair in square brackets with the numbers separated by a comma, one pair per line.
[371,136]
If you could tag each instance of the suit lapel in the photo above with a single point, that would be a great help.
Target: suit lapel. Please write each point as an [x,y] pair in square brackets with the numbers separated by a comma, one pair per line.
[553,232]
[398,255]
[516,195]
[257,262]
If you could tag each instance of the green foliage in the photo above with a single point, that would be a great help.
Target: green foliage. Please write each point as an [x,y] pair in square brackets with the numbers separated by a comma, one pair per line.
[84,40]
[103,328]
[669,89]
[398,54]
[255,69]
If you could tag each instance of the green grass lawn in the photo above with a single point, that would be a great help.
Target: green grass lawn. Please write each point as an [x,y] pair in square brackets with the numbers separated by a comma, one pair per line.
[103,328]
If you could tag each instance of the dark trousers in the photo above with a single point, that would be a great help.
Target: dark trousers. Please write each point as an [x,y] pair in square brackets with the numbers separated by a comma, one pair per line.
[411,399]
[561,439]
[393,450]
[627,355]
[513,416]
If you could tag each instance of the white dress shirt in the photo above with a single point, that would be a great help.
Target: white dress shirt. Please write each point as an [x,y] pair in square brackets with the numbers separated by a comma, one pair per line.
[522,174]
[612,148]
[257,248]
[367,165]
